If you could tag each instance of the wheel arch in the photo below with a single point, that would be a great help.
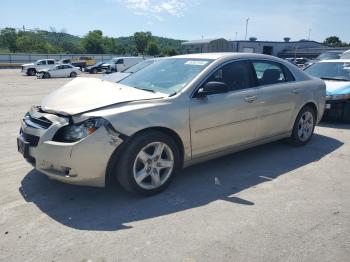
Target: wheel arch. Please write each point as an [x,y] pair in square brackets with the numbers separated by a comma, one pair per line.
[313,106]
[119,150]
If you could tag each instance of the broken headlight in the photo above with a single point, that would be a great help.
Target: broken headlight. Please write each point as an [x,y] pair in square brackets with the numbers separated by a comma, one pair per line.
[76,132]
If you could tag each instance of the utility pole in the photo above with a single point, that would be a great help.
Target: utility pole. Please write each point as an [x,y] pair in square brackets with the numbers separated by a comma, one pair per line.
[246,28]
[309,34]
[236,36]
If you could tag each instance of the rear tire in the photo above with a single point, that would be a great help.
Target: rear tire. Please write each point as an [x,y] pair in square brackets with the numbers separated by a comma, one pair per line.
[31,72]
[94,71]
[346,112]
[304,127]
[148,164]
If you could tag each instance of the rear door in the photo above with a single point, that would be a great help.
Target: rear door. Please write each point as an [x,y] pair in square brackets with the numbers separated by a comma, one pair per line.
[120,65]
[51,63]
[221,121]
[278,97]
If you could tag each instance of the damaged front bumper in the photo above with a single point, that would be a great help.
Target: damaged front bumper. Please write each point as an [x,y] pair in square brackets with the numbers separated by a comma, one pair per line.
[83,162]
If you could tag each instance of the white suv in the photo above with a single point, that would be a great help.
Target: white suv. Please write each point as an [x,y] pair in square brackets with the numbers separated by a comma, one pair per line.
[32,68]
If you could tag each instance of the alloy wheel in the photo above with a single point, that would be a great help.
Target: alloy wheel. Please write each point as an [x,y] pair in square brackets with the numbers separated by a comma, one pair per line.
[305,126]
[153,165]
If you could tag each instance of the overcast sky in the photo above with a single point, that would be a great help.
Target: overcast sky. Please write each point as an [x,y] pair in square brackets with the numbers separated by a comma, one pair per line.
[183,19]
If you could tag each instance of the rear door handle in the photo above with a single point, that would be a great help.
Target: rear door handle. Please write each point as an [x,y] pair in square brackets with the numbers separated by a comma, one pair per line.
[250,99]
[296,91]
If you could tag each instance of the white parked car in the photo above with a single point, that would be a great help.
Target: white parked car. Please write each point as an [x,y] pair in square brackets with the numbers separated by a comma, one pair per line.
[32,68]
[64,70]
[119,64]
[118,76]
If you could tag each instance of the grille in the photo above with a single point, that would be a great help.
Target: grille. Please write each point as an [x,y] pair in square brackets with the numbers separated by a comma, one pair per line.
[41,121]
[32,140]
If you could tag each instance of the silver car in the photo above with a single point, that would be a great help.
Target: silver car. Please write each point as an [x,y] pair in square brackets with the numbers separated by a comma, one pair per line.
[174,113]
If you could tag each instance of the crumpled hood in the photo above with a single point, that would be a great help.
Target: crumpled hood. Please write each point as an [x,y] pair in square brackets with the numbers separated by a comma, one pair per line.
[85,94]
[337,87]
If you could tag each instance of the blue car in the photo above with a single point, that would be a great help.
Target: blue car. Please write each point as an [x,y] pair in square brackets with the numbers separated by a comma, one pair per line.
[336,74]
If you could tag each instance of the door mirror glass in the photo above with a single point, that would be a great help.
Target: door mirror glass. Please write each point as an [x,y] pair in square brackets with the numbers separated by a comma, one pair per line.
[212,88]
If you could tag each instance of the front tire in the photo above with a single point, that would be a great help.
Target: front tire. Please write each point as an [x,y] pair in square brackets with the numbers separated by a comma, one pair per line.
[148,164]
[31,72]
[304,127]
[46,75]
[73,74]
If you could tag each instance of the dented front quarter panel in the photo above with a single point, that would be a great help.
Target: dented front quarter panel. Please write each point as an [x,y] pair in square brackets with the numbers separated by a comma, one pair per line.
[171,113]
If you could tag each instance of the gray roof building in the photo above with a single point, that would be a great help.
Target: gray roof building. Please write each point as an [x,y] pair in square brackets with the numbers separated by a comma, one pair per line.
[285,48]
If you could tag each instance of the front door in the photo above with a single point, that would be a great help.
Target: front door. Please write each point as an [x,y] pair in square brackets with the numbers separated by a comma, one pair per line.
[220,121]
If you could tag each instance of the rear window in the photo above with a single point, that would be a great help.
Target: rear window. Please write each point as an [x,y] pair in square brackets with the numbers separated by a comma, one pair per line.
[268,73]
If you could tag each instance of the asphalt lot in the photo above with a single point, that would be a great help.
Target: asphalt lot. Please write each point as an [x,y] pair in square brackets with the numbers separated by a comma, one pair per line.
[270,203]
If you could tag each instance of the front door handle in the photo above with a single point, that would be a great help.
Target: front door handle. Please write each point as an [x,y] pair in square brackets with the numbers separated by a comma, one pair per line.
[250,99]
[296,91]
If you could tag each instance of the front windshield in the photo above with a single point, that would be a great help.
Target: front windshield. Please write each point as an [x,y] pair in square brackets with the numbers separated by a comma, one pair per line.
[168,75]
[99,63]
[139,66]
[331,70]
[328,56]
[345,55]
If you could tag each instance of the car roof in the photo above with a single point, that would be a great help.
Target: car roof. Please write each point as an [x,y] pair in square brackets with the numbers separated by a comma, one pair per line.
[335,61]
[216,56]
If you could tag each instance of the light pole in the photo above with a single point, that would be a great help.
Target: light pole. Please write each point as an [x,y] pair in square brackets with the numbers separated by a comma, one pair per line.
[309,34]
[246,28]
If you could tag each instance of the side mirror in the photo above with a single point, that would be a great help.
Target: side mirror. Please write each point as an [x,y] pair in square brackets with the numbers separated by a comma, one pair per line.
[212,88]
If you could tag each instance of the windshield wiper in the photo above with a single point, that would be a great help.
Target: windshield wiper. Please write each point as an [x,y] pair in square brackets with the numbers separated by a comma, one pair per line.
[335,79]
[145,89]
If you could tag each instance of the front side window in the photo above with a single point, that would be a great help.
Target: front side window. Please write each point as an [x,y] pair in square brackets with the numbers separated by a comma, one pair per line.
[269,73]
[120,61]
[168,75]
[236,75]
[41,62]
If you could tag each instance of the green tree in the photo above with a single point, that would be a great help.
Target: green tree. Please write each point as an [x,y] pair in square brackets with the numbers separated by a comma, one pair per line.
[152,49]
[8,38]
[169,51]
[141,40]
[333,41]
[93,42]
[34,42]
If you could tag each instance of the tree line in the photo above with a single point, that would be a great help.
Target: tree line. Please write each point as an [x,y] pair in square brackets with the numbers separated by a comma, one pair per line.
[94,42]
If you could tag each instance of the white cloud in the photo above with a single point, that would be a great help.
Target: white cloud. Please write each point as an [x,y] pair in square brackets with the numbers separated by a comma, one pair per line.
[157,8]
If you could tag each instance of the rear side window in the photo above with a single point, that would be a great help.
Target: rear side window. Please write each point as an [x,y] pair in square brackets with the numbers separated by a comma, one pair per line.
[236,75]
[269,73]
[50,62]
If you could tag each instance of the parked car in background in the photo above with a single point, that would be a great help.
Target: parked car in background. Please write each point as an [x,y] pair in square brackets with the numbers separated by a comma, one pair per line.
[301,62]
[32,68]
[336,74]
[80,64]
[96,68]
[345,55]
[171,114]
[61,70]
[117,76]
[119,64]
[329,55]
